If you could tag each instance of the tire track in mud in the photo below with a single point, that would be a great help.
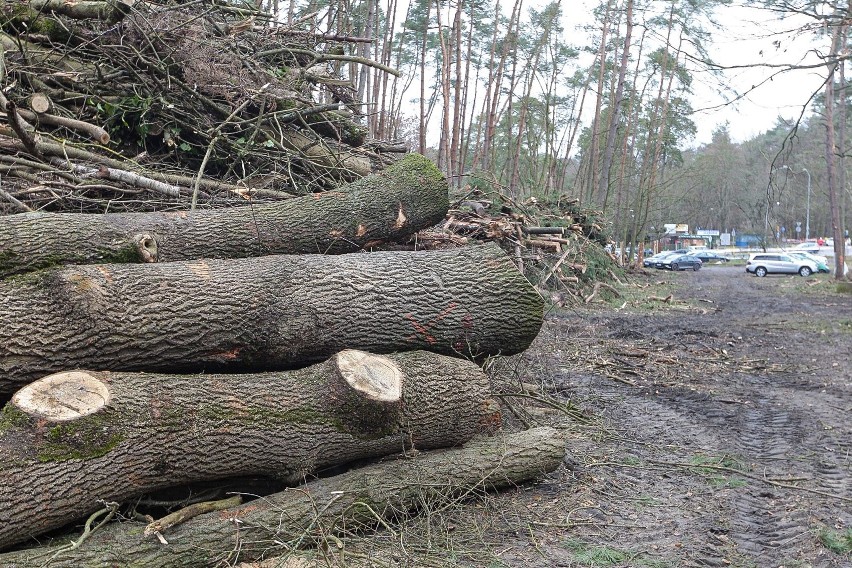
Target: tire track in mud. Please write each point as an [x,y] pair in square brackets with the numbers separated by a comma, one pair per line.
[671,508]
[776,421]
[782,433]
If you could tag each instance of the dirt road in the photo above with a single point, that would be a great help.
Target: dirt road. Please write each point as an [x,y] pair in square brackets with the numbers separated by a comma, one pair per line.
[722,427]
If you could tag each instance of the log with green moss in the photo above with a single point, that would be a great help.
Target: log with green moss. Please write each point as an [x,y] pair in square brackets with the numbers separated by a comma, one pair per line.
[388,206]
[311,515]
[268,312]
[74,438]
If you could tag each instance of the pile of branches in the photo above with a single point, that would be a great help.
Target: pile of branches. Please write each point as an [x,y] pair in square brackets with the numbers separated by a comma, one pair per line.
[138,105]
[559,246]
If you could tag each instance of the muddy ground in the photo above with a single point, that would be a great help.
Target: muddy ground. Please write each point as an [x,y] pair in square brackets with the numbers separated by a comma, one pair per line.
[720,433]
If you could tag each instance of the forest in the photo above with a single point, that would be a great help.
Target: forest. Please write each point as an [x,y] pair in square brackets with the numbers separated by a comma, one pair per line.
[505,96]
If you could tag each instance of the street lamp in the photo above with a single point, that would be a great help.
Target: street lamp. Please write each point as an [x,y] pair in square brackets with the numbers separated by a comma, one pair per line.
[808,206]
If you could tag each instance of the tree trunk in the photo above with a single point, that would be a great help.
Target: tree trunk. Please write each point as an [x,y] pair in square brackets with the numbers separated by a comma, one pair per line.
[617,104]
[294,518]
[406,197]
[73,438]
[262,313]
[110,10]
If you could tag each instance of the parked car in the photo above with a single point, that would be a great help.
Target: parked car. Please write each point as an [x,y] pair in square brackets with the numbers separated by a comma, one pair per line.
[652,260]
[811,247]
[680,262]
[820,261]
[761,264]
[710,256]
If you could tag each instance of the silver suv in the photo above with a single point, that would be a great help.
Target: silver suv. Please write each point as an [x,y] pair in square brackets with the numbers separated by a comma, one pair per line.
[765,263]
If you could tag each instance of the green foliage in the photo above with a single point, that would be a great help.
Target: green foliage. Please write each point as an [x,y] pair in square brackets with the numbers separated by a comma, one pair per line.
[590,555]
[837,541]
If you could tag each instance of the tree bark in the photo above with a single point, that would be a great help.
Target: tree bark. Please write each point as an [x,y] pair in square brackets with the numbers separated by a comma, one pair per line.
[262,313]
[388,206]
[286,521]
[74,438]
[109,10]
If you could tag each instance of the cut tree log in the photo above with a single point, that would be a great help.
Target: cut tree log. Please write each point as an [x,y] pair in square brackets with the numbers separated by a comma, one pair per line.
[111,11]
[40,103]
[74,438]
[388,206]
[262,313]
[304,516]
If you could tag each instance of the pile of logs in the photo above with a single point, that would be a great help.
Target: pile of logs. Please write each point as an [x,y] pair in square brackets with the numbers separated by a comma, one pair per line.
[559,246]
[308,361]
[185,296]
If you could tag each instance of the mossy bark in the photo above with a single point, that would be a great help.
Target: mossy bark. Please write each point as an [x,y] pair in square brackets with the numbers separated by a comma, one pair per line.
[388,206]
[306,516]
[154,431]
[263,313]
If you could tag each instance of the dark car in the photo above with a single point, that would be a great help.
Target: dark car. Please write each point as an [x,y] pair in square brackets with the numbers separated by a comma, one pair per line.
[653,260]
[680,262]
[710,256]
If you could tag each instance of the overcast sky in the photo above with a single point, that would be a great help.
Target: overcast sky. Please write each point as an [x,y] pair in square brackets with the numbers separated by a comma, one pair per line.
[746,36]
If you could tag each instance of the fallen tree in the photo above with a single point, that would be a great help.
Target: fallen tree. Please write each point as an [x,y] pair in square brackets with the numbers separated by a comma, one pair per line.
[262,313]
[389,206]
[113,436]
[305,516]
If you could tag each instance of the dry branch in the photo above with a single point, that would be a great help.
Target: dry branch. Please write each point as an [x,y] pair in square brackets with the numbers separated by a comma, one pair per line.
[304,516]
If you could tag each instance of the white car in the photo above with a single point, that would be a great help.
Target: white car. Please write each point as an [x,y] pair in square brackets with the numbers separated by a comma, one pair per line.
[763,263]
[817,259]
[811,247]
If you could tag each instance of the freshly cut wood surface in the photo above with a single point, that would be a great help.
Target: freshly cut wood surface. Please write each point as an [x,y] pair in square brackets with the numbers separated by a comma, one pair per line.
[72,439]
[263,313]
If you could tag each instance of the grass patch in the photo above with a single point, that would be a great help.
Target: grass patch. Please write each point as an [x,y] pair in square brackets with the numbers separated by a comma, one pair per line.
[587,554]
[726,461]
[720,481]
[709,467]
[592,555]
[637,296]
[839,542]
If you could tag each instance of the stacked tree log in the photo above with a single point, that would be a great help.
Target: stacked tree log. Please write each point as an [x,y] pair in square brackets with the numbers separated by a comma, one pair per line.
[100,417]
[181,308]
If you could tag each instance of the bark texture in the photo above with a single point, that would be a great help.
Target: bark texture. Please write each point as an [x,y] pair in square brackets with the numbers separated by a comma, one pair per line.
[391,205]
[152,431]
[302,516]
[262,313]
